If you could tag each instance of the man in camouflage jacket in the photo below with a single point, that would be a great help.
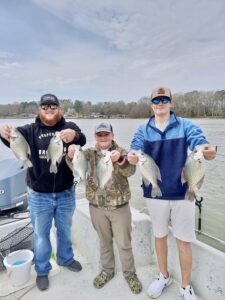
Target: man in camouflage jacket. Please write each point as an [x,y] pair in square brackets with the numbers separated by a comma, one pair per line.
[109,209]
[117,192]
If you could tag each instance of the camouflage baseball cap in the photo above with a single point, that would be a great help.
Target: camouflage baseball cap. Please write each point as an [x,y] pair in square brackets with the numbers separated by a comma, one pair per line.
[103,127]
[161,91]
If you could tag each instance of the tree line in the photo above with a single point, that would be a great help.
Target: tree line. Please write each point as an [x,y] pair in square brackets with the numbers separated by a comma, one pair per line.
[193,104]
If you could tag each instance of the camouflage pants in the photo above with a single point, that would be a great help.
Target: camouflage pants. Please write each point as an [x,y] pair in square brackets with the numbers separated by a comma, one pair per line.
[114,223]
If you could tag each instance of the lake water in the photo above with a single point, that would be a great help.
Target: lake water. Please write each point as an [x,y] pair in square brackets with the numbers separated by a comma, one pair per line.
[212,191]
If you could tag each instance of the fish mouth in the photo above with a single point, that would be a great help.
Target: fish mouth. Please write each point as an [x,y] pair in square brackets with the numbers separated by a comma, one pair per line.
[57,140]
[200,160]
[142,159]
[198,157]
[14,135]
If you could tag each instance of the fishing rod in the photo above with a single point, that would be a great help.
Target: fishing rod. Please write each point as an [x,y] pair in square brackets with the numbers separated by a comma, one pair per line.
[219,153]
[198,203]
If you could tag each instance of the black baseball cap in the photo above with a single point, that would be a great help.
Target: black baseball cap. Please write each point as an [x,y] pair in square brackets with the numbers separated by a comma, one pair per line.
[49,99]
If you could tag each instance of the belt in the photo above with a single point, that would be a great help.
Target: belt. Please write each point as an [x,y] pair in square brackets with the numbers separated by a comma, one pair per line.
[109,207]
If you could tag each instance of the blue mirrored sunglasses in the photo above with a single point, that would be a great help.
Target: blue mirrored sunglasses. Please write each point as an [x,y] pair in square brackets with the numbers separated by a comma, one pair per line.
[46,106]
[157,100]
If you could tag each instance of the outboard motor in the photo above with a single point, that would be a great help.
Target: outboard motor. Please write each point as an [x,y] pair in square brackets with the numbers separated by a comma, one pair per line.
[13,188]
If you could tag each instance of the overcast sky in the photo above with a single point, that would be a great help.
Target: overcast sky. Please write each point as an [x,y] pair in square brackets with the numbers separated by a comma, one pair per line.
[109,50]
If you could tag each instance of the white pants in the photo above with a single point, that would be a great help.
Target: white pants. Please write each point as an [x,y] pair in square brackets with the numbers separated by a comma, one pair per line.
[181,214]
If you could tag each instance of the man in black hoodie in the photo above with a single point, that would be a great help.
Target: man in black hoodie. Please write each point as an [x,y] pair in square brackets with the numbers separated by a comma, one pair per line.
[50,195]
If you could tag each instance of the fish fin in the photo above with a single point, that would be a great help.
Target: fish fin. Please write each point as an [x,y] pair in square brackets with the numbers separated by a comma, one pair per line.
[16,155]
[183,177]
[88,171]
[53,169]
[27,163]
[59,160]
[47,156]
[156,192]
[103,185]
[28,150]
[199,184]
[159,174]
[146,182]
[76,176]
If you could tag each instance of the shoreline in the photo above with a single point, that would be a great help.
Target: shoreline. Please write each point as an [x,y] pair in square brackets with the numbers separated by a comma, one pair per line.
[18,117]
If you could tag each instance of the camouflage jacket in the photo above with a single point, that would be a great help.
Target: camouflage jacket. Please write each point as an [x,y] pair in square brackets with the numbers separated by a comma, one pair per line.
[118,191]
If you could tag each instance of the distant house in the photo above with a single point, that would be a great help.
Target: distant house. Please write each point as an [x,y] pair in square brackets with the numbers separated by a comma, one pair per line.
[28,115]
[121,116]
[97,116]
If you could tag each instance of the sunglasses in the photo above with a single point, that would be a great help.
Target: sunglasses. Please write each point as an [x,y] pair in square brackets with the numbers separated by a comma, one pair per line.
[51,106]
[157,100]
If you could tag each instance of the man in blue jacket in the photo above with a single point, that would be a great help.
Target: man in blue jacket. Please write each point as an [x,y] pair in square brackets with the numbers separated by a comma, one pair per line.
[50,196]
[166,138]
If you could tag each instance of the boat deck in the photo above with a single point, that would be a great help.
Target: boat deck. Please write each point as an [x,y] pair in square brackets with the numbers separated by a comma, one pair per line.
[208,265]
[66,285]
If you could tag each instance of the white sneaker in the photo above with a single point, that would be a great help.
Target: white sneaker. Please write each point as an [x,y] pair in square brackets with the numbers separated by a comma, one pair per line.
[158,285]
[188,293]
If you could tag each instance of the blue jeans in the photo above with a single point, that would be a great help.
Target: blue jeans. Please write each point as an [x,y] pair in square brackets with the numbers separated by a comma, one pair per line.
[44,207]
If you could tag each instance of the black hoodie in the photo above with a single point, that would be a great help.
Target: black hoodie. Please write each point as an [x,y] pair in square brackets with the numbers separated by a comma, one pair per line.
[38,137]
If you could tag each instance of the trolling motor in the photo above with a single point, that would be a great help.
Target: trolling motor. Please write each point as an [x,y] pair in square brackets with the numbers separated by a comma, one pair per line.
[198,203]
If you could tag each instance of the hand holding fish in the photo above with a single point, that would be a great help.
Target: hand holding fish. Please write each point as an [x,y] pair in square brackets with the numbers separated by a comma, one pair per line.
[209,152]
[132,157]
[5,131]
[67,135]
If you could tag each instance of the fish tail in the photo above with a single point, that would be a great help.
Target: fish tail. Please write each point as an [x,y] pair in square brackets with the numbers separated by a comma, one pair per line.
[156,192]
[190,195]
[53,169]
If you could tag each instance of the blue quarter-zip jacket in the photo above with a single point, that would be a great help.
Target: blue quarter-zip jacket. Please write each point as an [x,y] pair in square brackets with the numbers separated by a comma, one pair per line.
[169,151]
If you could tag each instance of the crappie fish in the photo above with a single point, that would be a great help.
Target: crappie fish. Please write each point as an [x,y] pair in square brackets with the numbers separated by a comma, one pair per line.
[20,147]
[150,172]
[104,170]
[79,164]
[193,173]
[55,152]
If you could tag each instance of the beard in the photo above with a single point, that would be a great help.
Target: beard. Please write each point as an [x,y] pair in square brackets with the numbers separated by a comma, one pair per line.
[50,118]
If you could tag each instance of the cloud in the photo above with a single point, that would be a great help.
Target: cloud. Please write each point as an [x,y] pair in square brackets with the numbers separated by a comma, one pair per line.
[100,50]
[143,23]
